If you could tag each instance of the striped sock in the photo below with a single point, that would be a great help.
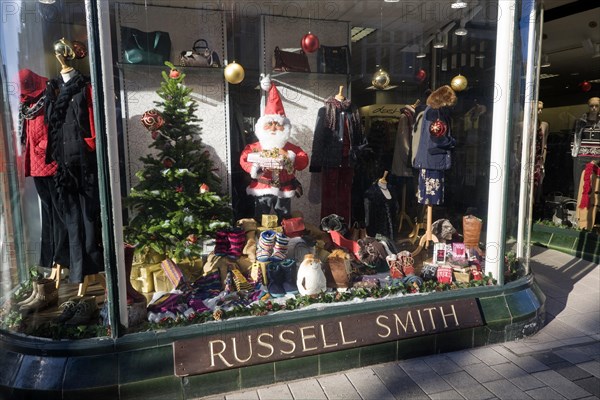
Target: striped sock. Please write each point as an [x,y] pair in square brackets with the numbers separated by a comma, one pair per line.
[265,244]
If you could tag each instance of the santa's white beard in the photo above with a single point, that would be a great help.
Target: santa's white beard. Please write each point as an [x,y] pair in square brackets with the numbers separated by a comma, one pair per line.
[272,139]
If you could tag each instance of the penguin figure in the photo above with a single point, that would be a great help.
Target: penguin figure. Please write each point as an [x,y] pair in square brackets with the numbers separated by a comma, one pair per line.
[311,279]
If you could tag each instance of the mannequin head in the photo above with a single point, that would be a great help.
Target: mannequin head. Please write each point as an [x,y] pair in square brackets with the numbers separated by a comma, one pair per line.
[540,107]
[594,105]
[64,52]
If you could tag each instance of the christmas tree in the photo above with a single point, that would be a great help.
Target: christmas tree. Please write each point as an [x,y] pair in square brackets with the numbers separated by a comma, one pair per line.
[176,204]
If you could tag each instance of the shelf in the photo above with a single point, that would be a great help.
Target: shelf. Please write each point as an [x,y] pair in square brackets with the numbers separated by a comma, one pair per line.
[280,74]
[209,70]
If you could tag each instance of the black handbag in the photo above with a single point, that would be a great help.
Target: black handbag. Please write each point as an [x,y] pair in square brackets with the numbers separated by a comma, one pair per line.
[289,61]
[201,55]
[333,59]
[152,48]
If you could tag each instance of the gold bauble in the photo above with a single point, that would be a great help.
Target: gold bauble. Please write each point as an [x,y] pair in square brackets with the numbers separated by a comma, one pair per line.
[459,83]
[381,79]
[234,73]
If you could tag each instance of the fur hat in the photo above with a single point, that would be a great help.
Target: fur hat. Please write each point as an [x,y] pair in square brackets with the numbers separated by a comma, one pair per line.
[443,96]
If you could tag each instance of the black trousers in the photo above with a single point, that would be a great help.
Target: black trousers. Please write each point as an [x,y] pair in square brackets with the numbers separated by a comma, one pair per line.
[82,218]
[54,239]
[281,205]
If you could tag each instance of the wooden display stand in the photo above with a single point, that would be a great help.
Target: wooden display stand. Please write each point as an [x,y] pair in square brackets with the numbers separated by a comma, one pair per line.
[429,236]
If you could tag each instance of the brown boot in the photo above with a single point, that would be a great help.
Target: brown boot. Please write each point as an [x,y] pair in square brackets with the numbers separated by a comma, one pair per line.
[471,231]
[47,295]
[249,226]
[32,296]
[338,273]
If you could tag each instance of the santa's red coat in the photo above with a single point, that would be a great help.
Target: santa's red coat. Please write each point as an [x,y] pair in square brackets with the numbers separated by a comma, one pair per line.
[264,185]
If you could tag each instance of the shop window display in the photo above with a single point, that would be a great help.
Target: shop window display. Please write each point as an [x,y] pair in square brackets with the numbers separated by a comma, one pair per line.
[331,177]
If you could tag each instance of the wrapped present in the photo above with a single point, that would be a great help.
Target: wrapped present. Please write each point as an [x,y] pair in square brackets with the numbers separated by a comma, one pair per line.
[161,282]
[462,276]
[191,271]
[444,274]
[146,277]
[261,229]
[172,272]
[269,221]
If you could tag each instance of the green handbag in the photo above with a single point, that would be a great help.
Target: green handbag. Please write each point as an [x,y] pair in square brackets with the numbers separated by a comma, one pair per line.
[152,48]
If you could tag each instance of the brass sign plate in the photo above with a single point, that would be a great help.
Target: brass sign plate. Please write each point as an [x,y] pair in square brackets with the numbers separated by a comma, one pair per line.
[256,346]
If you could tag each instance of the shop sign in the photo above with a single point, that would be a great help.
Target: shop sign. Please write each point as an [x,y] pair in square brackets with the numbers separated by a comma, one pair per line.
[381,110]
[246,347]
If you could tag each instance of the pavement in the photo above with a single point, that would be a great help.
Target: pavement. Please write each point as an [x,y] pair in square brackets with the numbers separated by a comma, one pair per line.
[561,361]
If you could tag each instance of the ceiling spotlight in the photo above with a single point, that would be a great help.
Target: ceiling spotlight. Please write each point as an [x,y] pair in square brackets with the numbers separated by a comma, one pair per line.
[391,1]
[439,42]
[458,4]
[461,31]
[421,53]
[47,1]
[545,61]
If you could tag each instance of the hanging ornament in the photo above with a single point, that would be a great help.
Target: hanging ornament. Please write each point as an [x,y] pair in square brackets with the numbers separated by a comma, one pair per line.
[152,120]
[421,75]
[80,50]
[174,74]
[204,188]
[309,43]
[168,162]
[234,73]
[459,83]
[585,86]
[381,79]
[438,128]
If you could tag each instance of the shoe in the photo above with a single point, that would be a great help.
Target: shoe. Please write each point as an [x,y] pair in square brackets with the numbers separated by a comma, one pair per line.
[32,296]
[85,310]
[68,309]
[280,247]
[395,267]
[290,272]
[265,245]
[275,276]
[471,231]
[47,295]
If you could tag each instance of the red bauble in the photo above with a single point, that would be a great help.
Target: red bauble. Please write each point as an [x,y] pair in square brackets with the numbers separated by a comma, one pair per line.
[152,120]
[438,128]
[192,238]
[204,188]
[174,74]
[167,162]
[179,189]
[585,86]
[309,43]
[421,75]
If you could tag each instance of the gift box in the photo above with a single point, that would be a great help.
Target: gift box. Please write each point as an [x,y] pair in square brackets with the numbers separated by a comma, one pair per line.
[444,274]
[261,229]
[191,271]
[269,221]
[461,276]
[146,278]
[161,282]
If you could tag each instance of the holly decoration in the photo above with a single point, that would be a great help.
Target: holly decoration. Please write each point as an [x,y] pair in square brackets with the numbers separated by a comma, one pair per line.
[166,207]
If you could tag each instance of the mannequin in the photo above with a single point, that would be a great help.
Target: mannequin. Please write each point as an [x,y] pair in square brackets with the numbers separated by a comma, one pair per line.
[54,242]
[338,137]
[71,145]
[541,141]
[432,156]
[381,208]
[586,141]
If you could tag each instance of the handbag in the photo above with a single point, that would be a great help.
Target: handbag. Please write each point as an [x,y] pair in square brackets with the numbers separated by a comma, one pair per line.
[152,48]
[289,61]
[293,227]
[565,213]
[333,59]
[200,56]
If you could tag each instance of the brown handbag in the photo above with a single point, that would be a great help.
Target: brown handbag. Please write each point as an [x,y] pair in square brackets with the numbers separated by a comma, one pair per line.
[289,61]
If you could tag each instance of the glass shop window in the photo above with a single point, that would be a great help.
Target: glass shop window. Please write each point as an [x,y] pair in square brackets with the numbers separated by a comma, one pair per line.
[363,147]
[52,256]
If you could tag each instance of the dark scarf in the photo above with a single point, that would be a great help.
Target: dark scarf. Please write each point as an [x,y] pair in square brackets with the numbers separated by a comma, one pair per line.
[333,106]
[56,103]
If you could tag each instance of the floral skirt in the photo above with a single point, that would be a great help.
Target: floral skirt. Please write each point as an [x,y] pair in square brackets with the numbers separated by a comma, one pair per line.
[431,187]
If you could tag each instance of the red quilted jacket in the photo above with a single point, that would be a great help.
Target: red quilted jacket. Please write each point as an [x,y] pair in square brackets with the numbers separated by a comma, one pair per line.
[35,147]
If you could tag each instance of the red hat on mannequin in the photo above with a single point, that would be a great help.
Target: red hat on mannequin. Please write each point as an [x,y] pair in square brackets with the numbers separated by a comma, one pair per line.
[274,105]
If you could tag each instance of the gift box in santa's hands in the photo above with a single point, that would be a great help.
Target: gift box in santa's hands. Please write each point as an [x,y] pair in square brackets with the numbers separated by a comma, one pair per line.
[269,159]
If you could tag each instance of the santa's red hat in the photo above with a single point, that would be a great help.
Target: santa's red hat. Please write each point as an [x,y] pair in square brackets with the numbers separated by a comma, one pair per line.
[274,105]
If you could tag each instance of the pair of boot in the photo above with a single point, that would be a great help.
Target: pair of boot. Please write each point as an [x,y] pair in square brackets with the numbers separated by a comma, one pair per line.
[249,226]
[230,242]
[401,265]
[44,295]
[271,246]
[78,310]
[282,278]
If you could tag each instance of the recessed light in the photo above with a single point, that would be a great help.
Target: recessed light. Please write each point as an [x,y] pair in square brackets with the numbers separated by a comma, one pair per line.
[458,4]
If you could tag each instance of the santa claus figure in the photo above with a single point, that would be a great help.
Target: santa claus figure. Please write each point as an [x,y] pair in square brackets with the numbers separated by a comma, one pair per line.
[272,161]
